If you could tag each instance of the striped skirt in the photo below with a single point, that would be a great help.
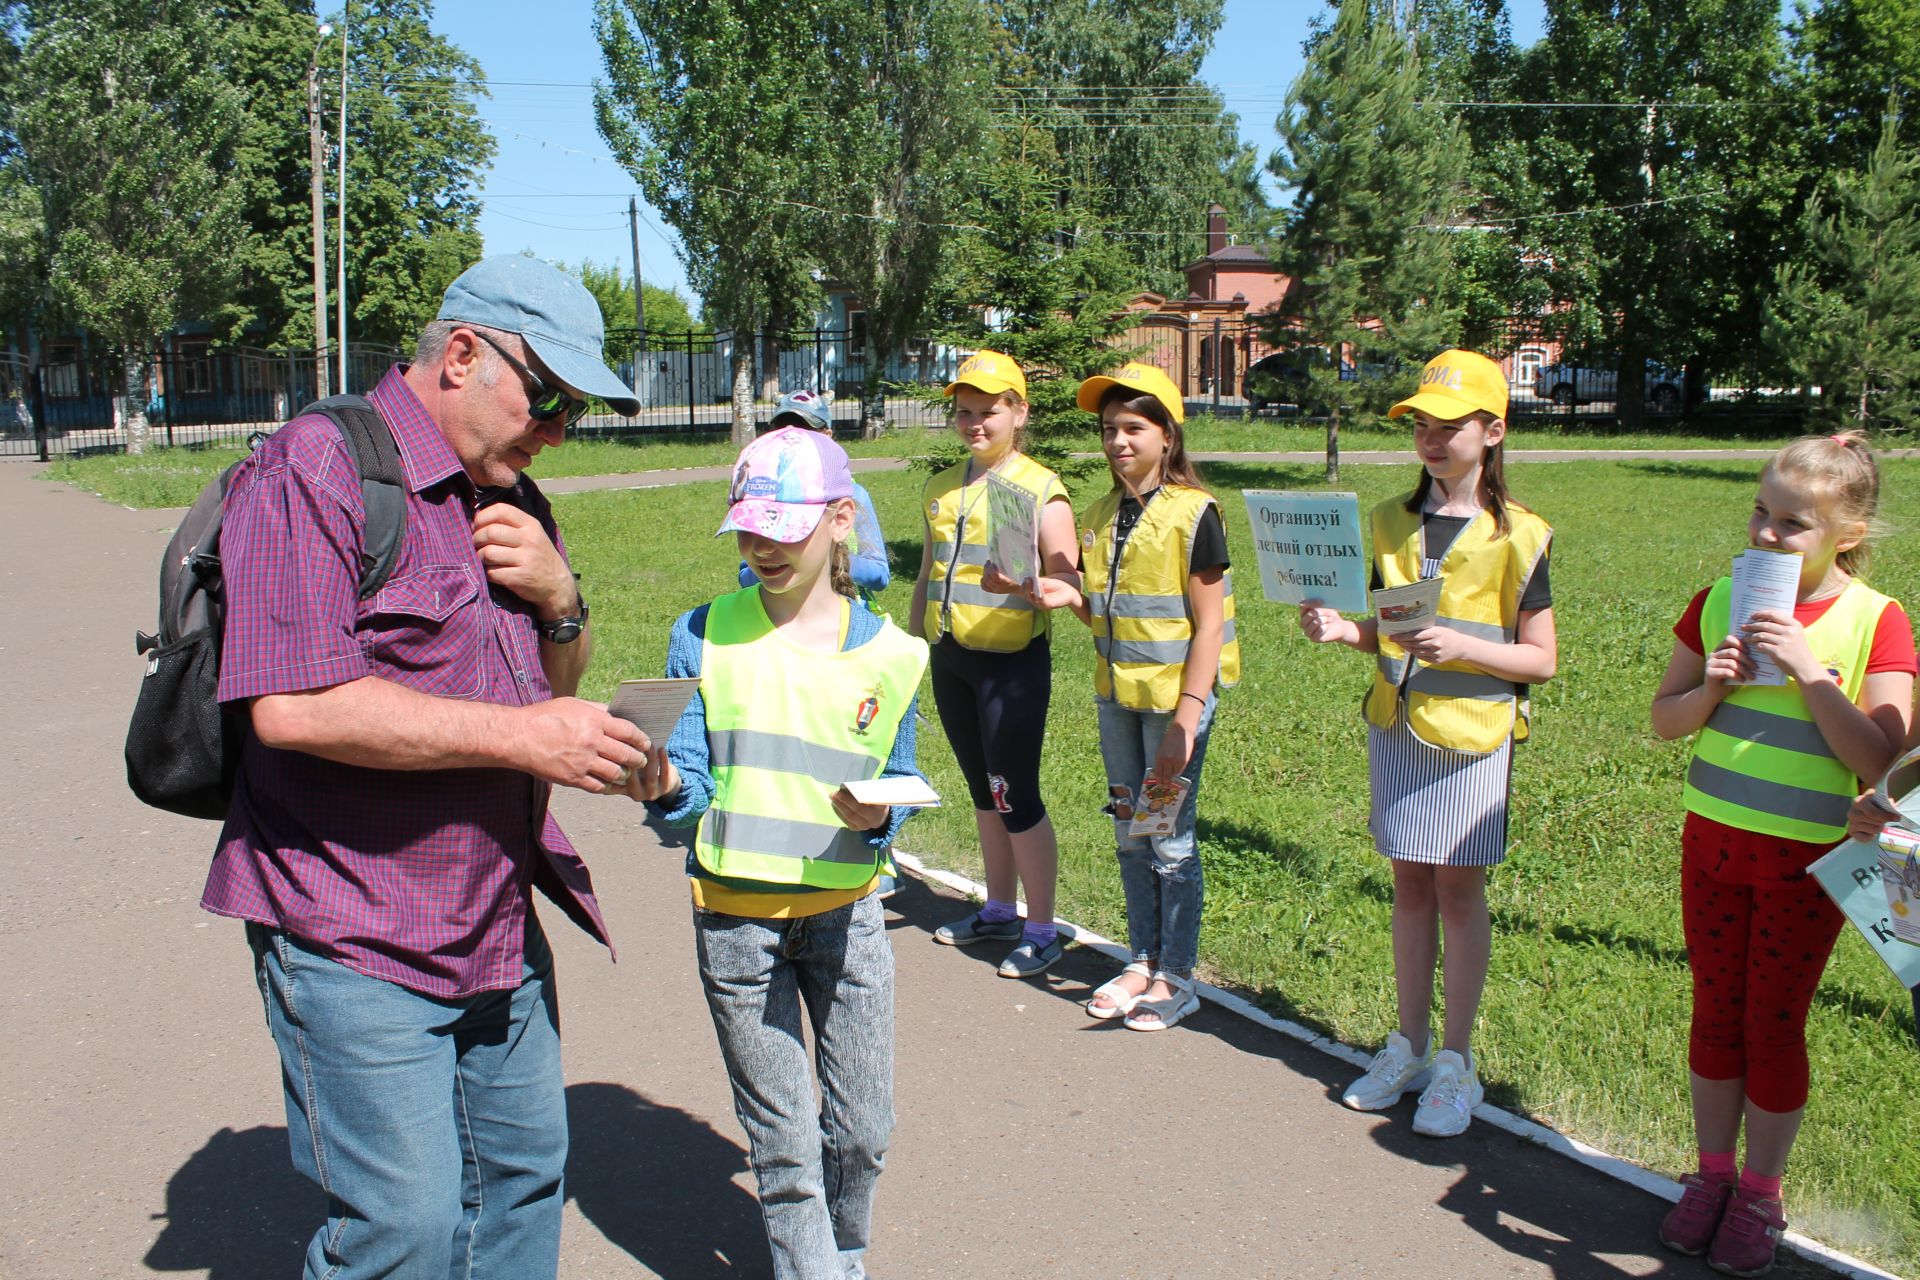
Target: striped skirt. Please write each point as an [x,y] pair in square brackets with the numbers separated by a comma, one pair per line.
[1437,806]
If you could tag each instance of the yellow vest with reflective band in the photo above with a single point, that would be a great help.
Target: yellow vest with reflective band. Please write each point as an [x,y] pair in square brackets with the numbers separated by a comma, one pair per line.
[1142,623]
[958,529]
[1455,704]
[785,727]
[1760,763]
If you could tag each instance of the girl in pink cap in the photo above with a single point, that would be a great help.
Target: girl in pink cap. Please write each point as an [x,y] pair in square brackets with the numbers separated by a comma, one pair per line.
[800,694]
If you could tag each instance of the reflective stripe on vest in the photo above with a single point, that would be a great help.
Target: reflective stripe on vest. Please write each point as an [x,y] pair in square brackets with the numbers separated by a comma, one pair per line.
[786,727]
[959,528]
[1454,704]
[1761,763]
[1142,634]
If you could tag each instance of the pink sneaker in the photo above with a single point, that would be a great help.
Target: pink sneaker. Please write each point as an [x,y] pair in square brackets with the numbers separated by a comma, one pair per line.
[1689,1226]
[1748,1235]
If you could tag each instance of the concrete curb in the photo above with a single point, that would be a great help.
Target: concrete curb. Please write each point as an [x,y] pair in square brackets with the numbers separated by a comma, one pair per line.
[1841,1263]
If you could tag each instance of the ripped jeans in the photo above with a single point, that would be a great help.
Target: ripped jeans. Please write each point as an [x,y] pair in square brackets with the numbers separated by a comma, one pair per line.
[1160,875]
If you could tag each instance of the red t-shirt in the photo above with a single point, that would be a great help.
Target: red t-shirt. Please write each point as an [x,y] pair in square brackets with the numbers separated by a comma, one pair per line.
[1734,855]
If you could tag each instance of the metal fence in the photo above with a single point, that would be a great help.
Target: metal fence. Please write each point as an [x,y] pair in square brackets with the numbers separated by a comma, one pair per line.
[201,395]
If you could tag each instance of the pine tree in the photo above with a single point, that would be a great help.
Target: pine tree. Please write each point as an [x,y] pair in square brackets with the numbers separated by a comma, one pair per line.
[1376,180]
[1846,313]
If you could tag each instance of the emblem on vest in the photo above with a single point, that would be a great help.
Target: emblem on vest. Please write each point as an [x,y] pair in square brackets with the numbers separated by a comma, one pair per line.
[864,713]
[1086,539]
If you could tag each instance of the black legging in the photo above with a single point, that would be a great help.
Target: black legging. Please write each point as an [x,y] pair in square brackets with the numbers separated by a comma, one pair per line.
[994,708]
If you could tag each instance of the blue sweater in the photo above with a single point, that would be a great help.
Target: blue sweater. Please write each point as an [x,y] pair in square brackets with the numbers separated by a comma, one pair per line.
[687,747]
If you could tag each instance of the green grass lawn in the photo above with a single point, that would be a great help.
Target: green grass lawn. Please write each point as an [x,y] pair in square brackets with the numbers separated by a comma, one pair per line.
[1585,1017]
[171,477]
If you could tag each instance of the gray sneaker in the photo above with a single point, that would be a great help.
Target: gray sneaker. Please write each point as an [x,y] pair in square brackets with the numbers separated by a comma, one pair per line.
[964,933]
[1030,959]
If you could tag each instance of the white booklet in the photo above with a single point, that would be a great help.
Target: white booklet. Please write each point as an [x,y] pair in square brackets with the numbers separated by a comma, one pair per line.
[904,790]
[653,705]
[1400,610]
[1014,517]
[1764,580]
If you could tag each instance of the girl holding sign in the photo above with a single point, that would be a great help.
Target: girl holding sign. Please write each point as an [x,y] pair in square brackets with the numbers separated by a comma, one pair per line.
[992,667]
[1160,603]
[1448,702]
[1768,785]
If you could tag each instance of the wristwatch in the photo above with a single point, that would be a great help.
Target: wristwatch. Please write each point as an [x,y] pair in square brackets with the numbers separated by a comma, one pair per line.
[565,630]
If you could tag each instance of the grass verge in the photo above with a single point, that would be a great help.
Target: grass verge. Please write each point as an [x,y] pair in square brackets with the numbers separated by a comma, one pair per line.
[1584,1023]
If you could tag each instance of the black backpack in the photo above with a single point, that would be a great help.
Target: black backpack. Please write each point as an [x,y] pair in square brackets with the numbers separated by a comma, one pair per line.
[183,747]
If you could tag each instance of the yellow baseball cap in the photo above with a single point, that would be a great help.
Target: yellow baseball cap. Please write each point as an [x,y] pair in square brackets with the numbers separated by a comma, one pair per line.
[991,372]
[1143,379]
[1455,384]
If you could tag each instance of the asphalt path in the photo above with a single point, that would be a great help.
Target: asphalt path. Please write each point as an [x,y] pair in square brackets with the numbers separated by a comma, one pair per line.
[140,1096]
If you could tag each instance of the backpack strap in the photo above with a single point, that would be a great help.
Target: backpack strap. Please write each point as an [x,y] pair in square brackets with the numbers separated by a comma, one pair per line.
[383,484]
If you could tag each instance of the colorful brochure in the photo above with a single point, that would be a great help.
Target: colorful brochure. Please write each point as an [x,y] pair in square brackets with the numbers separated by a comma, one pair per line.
[1014,518]
[1159,806]
[1308,548]
[1402,610]
[1764,580]
[653,705]
[1877,886]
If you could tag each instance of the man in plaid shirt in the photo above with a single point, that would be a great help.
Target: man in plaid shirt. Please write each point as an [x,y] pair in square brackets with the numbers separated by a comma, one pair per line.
[390,817]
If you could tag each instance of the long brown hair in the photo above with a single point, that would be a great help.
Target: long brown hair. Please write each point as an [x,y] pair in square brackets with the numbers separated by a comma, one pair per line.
[1493,483]
[1175,467]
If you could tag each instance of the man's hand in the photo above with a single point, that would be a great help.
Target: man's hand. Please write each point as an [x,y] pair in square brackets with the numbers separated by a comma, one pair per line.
[519,556]
[572,743]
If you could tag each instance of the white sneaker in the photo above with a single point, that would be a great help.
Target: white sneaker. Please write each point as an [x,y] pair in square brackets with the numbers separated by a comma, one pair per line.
[1393,1071]
[1446,1108]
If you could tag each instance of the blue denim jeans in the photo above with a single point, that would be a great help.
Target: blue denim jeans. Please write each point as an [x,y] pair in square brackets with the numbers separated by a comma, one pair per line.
[437,1128]
[1160,875]
[816,1165]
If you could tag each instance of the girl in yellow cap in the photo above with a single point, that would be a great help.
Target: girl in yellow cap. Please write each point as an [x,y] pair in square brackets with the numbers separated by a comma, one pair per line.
[991,663]
[1159,599]
[1446,705]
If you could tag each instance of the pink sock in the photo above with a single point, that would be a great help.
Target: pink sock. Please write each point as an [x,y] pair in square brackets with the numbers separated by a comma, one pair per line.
[1757,1186]
[1717,1166]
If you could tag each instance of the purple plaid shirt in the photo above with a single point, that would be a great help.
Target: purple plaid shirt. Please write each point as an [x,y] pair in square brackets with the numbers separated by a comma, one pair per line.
[419,878]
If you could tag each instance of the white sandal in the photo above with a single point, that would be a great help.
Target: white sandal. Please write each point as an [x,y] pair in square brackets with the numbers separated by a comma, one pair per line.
[1123,999]
[1164,1013]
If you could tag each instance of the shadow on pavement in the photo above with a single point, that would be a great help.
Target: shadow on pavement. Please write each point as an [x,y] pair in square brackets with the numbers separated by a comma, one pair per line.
[658,1183]
[237,1210]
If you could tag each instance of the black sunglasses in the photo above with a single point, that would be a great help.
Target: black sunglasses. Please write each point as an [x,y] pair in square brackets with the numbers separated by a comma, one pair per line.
[544,403]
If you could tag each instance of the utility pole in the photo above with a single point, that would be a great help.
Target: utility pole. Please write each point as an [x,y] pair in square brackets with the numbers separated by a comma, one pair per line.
[639,300]
[317,158]
[340,269]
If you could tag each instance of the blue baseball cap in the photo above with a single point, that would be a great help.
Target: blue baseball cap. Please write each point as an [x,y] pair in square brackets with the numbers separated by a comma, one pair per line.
[806,406]
[552,311]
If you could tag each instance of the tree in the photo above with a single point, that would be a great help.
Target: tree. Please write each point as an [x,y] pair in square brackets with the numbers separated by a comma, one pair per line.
[1671,208]
[1849,56]
[1846,313]
[1144,143]
[1037,281]
[22,231]
[1376,180]
[416,149]
[726,167]
[895,120]
[667,311]
[127,130]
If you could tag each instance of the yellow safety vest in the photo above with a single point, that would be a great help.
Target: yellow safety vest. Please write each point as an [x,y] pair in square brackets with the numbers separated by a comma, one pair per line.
[1455,704]
[786,727]
[1760,763]
[958,529]
[1142,623]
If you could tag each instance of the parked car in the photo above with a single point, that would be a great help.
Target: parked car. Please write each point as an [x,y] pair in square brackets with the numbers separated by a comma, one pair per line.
[1568,385]
[1285,379]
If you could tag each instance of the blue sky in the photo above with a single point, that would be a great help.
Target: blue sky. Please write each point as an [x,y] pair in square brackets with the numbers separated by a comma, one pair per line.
[554,189]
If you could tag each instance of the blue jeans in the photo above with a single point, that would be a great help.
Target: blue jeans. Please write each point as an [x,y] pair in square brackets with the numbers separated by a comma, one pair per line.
[437,1128]
[816,1165]
[1160,875]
